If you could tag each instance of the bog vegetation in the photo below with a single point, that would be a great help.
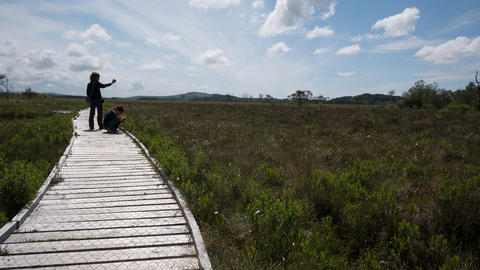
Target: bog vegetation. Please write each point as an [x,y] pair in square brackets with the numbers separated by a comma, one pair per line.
[315,187]
[32,140]
[280,186]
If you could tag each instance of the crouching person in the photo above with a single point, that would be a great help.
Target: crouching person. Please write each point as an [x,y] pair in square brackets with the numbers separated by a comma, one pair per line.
[112,119]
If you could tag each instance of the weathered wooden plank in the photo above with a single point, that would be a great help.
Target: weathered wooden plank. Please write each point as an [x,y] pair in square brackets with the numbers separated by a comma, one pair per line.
[96,257]
[95,234]
[89,225]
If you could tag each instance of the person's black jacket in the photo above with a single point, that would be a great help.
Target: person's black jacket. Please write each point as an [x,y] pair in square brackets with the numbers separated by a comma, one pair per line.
[110,115]
[95,93]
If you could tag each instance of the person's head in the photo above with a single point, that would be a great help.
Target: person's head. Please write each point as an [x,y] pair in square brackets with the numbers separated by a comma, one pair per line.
[94,76]
[118,109]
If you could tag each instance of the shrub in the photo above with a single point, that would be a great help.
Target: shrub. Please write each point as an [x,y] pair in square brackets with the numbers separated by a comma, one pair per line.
[19,182]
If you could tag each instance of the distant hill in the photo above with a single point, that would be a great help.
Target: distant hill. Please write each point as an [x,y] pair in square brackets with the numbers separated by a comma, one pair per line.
[366,99]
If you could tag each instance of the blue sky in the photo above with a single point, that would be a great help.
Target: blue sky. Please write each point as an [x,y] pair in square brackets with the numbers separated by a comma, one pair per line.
[239,47]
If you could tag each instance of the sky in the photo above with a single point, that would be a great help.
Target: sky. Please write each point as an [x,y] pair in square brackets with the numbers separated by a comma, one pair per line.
[333,48]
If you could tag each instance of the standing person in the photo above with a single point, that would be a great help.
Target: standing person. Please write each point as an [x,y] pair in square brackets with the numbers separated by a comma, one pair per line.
[96,101]
[111,121]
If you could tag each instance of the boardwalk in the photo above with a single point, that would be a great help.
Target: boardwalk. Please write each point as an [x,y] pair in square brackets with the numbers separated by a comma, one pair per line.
[107,208]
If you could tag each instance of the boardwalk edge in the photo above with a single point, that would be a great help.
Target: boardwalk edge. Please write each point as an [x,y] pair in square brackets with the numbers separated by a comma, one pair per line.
[192,224]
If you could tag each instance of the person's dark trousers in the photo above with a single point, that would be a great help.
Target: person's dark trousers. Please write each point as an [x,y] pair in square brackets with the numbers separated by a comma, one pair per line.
[96,103]
[113,124]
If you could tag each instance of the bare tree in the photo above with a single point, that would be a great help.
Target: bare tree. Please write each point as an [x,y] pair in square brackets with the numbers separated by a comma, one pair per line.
[5,87]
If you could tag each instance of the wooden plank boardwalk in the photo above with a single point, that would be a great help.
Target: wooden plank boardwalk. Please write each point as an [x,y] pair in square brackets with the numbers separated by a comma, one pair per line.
[107,207]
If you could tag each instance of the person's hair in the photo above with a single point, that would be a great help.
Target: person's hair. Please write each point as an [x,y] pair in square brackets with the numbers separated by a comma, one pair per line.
[94,76]
[118,108]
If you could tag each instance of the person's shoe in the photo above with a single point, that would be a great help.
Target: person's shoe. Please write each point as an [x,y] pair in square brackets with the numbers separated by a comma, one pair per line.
[91,128]
[111,131]
[100,128]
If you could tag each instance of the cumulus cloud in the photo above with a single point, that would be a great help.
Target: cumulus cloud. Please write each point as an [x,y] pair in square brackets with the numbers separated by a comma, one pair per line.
[172,37]
[212,58]
[450,51]
[94,32]
[320,32]
[289,15]
[350,50]
[76,50]
[42,60]
[152,41]
[399,25]
[8,48]
[322,50]
[330,12]
[278,49]
[215,4]
[258,4]
[346,74]
[152,66]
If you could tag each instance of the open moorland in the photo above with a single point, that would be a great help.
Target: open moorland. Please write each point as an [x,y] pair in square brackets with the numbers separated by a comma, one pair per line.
[296,187]
[315,187]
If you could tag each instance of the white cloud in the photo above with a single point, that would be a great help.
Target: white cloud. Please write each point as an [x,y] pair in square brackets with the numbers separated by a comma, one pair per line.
[94,32]
[152,41]
[278,49]
[76,50]
[124,44]
[42,60]
[289,15]
[152,66]
[212,58]
[258,4]
[216,4]
[451,51]
[331,10]
[357,38]
[320,32]
[172,37]
[86,62]
[322,50]
[346,74]
[255,18]
[399,25]
[350,50]
[8,48]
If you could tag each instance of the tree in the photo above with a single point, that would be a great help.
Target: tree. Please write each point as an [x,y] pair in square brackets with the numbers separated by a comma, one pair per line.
[421,95]
[391,93]
[357,99]
[29,93]
[300,97]
[5,87]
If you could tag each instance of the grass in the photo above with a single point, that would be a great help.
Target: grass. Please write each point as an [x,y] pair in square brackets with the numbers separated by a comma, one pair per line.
[280,186]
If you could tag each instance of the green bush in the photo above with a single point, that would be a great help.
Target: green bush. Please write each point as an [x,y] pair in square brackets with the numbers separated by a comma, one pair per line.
[19,182]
